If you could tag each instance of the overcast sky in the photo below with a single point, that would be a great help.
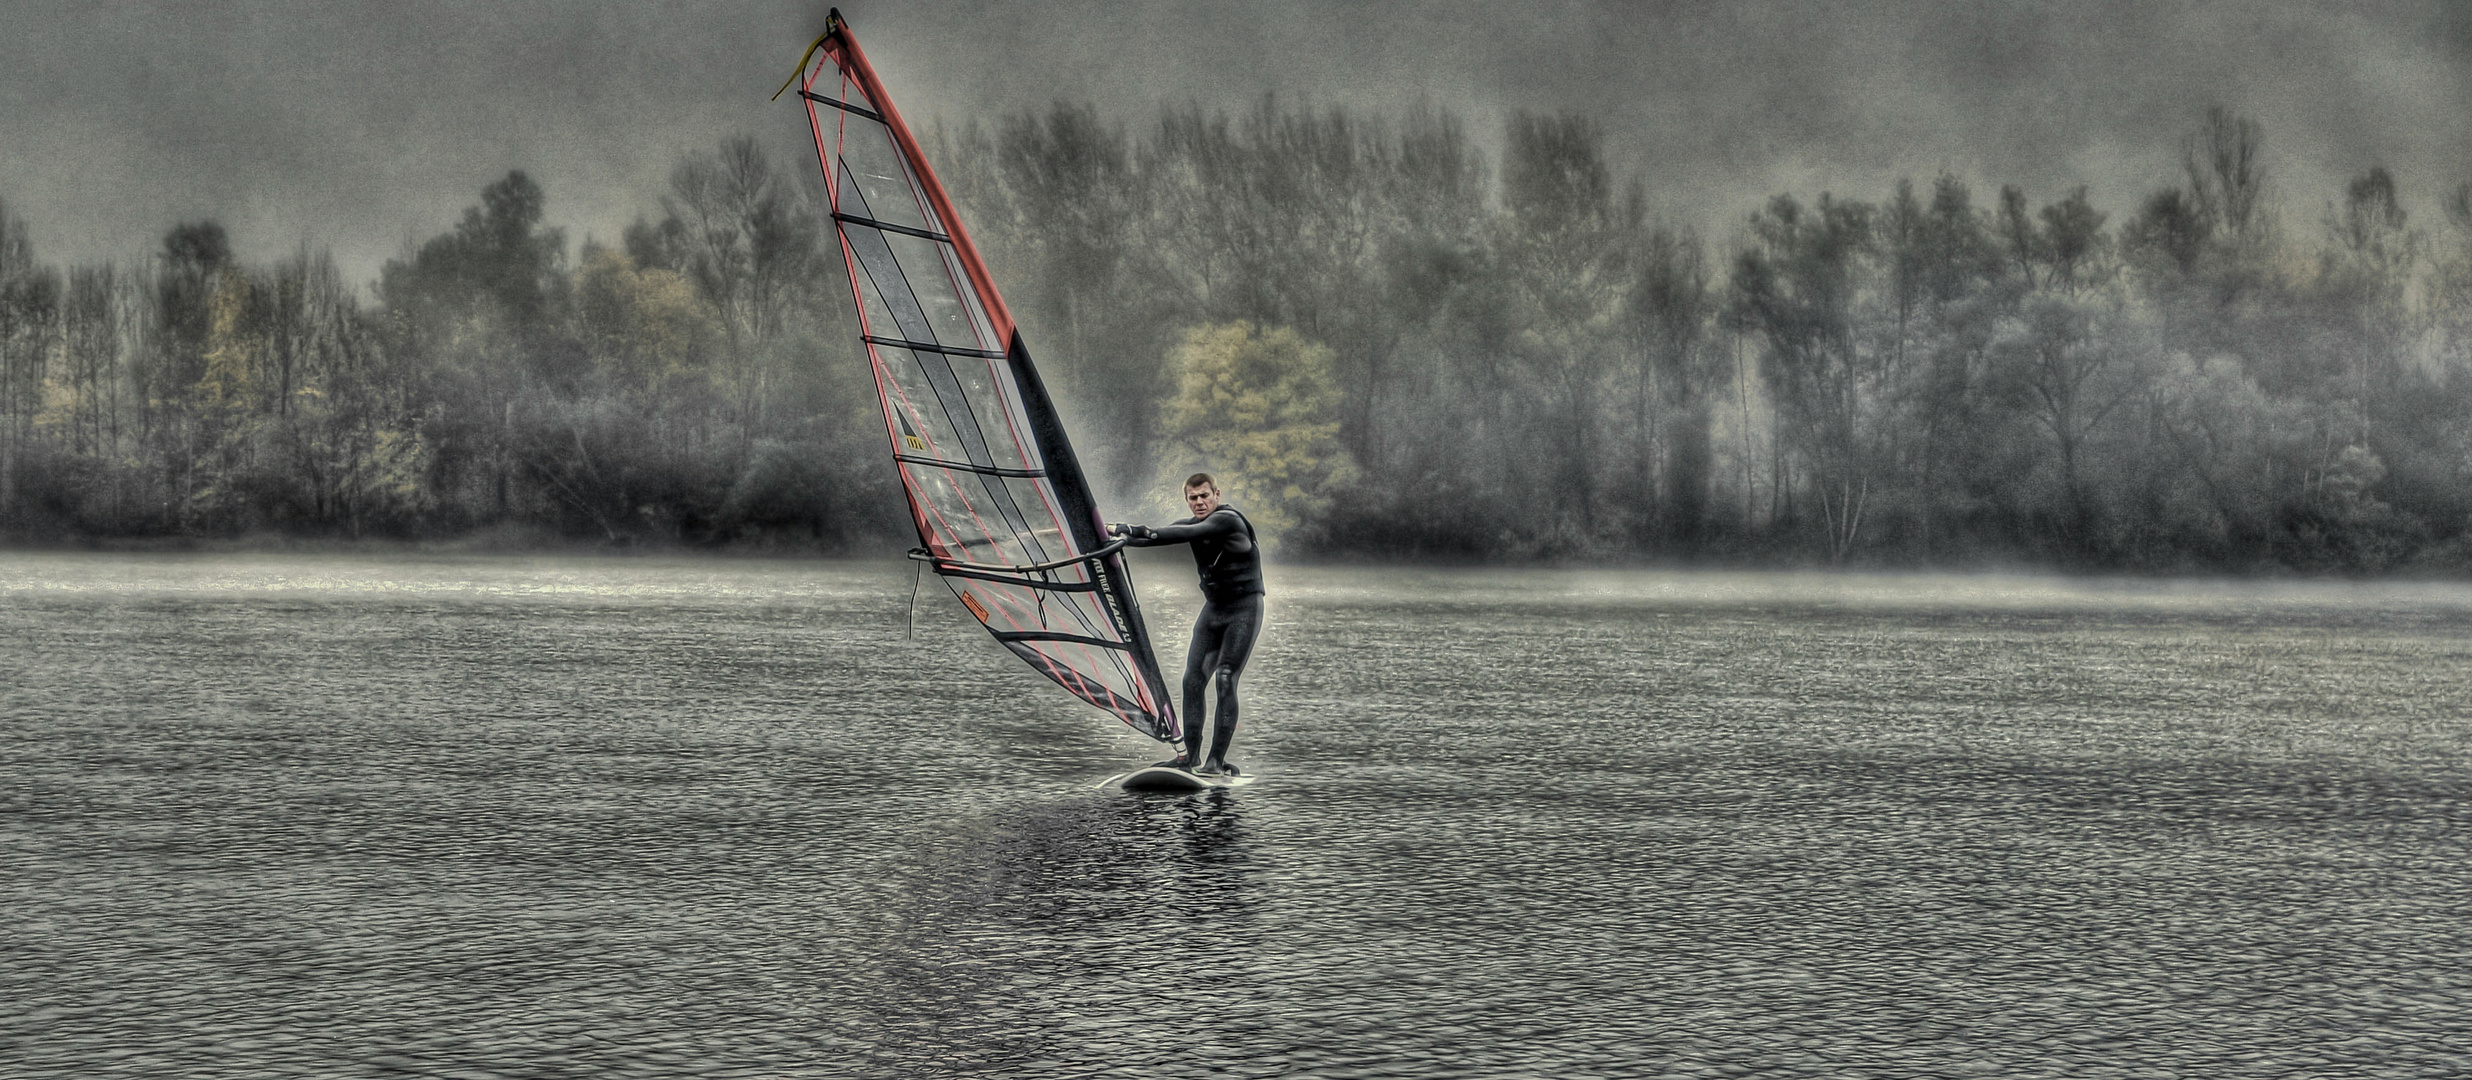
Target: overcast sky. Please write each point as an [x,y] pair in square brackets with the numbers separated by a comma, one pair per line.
[359,126]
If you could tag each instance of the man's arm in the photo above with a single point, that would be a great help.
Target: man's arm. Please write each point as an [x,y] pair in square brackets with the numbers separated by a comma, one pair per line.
[1182,532]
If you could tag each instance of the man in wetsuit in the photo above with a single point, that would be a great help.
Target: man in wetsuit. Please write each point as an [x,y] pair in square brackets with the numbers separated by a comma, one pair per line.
[1230,562]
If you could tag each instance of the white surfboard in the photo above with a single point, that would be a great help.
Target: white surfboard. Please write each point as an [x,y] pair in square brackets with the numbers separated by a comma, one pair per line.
[1170,778]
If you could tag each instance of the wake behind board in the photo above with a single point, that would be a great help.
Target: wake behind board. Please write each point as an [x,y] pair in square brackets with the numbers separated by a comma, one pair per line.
[1169,778]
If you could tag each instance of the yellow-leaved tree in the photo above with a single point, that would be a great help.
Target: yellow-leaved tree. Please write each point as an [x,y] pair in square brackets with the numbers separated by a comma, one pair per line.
[1259,409]
[643,325]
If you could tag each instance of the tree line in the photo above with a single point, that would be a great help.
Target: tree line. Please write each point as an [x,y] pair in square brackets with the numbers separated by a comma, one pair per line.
[692,385]
[1389,344]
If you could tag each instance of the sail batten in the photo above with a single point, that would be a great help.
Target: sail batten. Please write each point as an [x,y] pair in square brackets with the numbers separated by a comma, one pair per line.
[929,346]
[983,470]
[1003,511]
[853,219]
[844,106]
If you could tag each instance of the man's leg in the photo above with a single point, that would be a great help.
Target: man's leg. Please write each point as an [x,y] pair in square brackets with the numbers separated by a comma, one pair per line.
[1241,626]
[1200,658]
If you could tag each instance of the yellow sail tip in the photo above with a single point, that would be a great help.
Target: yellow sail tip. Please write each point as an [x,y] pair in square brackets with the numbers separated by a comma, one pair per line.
[830,26]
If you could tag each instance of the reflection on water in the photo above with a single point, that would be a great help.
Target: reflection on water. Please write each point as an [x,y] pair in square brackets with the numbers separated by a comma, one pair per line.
[336,817]
[1062,934]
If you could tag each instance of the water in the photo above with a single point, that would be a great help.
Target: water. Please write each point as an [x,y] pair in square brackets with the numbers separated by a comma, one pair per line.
[468,818]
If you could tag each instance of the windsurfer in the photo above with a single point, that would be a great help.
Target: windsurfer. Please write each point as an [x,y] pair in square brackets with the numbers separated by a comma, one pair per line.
[1230,562]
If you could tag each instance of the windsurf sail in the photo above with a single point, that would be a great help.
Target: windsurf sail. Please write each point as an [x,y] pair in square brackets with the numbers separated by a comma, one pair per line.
[1004,515]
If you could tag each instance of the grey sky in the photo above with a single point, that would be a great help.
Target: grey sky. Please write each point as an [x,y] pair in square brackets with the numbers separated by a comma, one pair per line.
[359,126]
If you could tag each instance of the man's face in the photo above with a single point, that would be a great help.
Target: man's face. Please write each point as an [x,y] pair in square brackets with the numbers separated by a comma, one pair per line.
[1202,500]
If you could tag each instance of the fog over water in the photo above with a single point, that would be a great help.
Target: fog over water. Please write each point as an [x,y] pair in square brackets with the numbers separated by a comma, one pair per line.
[360,126]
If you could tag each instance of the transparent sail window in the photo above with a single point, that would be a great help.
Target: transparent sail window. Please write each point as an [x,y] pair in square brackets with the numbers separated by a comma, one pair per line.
[938,292]
[923,420]
[871,160]
[988,391]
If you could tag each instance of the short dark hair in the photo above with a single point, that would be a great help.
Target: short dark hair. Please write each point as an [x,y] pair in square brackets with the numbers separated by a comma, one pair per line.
[1200,479]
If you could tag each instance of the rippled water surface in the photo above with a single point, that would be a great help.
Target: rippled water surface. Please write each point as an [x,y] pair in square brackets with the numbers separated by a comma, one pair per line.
[342,817]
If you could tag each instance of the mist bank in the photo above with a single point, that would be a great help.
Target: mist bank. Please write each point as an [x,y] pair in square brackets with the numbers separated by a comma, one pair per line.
[1388,344]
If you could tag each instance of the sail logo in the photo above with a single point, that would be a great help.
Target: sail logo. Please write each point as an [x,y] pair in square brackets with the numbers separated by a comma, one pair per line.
[1115,606]
[973,604]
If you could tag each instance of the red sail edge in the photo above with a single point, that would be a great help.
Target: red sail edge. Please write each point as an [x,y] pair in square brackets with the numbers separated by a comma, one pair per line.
[996,493]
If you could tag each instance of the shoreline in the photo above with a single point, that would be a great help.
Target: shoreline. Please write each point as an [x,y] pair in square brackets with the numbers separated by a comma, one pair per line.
[500,545]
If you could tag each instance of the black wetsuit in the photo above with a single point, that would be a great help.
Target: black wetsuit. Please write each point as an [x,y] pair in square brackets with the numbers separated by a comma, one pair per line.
[1230,562]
